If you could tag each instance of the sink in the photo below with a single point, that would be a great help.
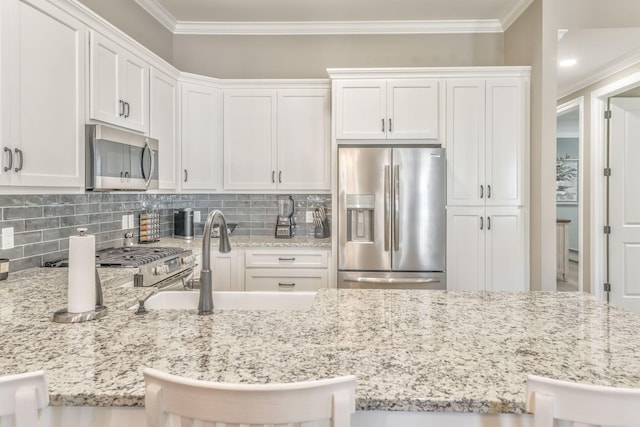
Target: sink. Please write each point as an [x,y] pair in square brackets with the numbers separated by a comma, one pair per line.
[188,300]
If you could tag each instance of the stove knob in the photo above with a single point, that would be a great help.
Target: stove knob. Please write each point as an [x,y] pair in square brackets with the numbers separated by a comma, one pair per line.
[188,260]
[161,269]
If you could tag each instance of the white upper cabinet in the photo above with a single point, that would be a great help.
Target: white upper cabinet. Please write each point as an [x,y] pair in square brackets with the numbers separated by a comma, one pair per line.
[43,94]
[486,139]
[163,125]
[200,130]
[119,85]
[404,109]
[277,139]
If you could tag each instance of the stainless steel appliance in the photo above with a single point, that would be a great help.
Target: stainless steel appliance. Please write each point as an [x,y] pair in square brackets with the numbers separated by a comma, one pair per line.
[157,266]
[119,160]
[285,225]
[183,225]
[391,217]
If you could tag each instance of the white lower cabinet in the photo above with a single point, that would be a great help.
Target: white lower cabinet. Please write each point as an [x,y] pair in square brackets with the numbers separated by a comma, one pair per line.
[225,270]
[486,249]
[286,269]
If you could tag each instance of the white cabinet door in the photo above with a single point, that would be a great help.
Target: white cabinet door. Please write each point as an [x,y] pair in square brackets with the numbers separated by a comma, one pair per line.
[43,87]
[285,280]
[119,85]
[465,248]
[412,109]
[505,141]
[361,109]
[250,139]
[224,268]
[304,141]
[486,249]
[163,125]
[466,142]
[504,250]
[200,118]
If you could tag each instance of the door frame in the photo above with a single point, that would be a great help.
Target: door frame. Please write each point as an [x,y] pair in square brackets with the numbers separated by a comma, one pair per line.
[578,103]
[599,99]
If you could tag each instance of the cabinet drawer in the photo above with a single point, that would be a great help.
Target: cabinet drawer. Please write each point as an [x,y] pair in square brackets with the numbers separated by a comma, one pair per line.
[260,279]
[286,259]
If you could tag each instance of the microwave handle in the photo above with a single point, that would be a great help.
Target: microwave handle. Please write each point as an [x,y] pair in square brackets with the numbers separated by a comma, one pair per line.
[153,162]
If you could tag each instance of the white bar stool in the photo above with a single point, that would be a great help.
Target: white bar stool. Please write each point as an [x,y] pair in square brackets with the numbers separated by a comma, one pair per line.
[581,404]
[22,396]
[184,400]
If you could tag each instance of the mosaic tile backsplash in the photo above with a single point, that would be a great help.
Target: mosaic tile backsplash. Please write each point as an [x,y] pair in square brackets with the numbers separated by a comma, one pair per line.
[43,223]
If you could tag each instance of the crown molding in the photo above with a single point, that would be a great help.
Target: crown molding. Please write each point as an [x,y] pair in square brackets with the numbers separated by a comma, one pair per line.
[165,18]
[609,70]
[514,13]
[338,27]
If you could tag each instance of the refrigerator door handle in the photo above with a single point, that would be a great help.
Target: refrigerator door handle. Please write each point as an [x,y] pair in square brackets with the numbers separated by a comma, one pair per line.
[396,207]
[387,207]
[390,280]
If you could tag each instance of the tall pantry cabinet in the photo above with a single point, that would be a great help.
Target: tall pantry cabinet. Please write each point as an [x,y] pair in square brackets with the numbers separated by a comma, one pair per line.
[487,134]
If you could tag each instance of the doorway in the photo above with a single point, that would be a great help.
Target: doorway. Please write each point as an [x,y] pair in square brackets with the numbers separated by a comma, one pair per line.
[569,197]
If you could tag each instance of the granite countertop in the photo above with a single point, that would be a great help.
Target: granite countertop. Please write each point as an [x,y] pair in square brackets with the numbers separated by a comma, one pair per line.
[410,350]
[245,242]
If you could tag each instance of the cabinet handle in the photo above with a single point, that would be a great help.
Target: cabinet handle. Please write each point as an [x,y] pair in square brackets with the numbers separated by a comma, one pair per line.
[19,153]
[121,107]
[482,191]
[286,285]
[287,259]
[280,177]
[8,150]
[121,176]
[481,223]
[382,125]
[186,175]
[488,223]
[126,176]
[273,177]
[390,128]
[488,191]
[128,110]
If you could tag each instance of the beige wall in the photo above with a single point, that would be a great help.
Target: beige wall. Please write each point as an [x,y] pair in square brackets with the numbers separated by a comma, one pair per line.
[137,23]
[597,13]
[531,40]
[310,56]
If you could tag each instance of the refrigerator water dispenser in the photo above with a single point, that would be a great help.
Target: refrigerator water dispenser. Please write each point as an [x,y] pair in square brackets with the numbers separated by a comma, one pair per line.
[360,221]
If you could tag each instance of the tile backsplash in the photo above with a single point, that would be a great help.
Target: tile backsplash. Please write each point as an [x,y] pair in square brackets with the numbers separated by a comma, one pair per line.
[43,223]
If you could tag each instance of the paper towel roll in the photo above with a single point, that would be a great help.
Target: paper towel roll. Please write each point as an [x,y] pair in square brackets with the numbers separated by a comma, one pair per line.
[82,270]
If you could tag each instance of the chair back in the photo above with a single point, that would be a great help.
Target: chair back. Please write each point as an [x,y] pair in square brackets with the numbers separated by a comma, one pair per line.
[22,396]
[551,399]
[186,400]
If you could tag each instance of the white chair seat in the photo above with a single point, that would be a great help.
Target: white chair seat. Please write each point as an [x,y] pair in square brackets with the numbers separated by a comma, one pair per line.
[186,400]
[551,399]
[22,396]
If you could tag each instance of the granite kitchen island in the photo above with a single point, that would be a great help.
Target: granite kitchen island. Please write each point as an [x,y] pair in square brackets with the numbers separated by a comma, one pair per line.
[416,354]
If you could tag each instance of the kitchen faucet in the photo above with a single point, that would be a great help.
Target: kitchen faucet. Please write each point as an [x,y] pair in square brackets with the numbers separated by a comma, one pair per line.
[205,303]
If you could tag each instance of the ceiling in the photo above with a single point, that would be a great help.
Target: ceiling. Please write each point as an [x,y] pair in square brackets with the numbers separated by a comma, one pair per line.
[598,52]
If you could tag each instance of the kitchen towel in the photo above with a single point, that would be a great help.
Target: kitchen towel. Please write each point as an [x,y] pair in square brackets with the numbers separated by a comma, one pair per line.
[82,273]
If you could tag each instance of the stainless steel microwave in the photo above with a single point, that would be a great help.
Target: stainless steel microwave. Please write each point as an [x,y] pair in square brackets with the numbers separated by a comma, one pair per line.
[119,160]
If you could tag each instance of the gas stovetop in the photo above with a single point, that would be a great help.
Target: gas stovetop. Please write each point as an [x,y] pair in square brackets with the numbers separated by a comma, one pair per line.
[125,257]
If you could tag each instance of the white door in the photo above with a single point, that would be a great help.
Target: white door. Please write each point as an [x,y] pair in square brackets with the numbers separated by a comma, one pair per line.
[412,109]
[200,118]
[504,250]
[46,63]
[466,142]
[361,109]
[134,76]
[465,248]
[624,203]
[505,142]
[104,91]
[250,139]
[304,139]
[163,125]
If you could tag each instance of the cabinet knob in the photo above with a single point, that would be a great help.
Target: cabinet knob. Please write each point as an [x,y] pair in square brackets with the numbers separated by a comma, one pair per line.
[481,223]
[186,175]
[488,191]
[273,177]
[21,159]
[390,128]
[482,191]
[382,125]
[121,102]
[488,223]
[280,177]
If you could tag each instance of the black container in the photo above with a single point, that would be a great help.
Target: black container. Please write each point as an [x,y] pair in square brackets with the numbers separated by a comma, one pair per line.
[183,227]
[4,268]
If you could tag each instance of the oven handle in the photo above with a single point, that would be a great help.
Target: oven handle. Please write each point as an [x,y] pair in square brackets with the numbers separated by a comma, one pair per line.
[390,280]
[170,282]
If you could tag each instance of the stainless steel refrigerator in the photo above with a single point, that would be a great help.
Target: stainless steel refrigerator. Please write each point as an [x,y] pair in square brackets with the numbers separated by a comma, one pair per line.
[391,217]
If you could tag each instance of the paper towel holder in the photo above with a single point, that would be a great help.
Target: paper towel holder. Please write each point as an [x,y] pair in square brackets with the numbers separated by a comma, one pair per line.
[63,316]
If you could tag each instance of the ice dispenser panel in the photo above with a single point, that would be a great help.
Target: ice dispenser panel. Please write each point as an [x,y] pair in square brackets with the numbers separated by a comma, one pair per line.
[360,211]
